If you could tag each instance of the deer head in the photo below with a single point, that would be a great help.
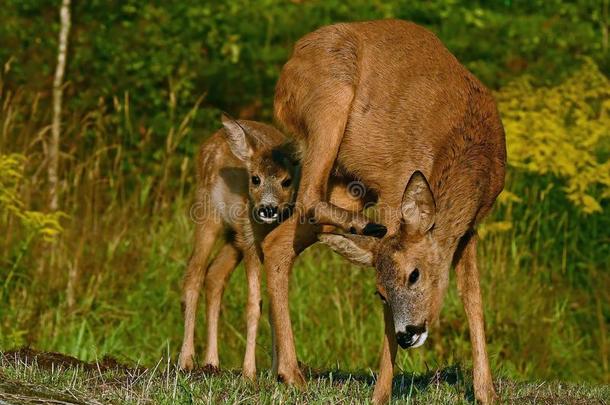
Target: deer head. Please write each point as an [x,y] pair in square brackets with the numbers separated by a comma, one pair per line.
[272,171]
[411,268]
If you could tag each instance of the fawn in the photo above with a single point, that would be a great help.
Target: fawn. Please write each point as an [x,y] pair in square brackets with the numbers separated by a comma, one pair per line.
[385,103]
[246,180]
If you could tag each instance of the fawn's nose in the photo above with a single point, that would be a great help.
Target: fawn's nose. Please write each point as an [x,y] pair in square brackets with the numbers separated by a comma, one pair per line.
[268,212]
[412,336]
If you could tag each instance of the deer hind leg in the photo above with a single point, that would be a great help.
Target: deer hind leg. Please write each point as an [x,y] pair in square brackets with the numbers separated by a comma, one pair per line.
[349,195]
[313,99]
[253,312]
[215,281]
[322,148]
[206,232]
[470,293]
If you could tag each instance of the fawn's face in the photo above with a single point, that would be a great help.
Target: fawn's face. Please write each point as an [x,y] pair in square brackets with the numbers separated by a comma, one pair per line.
[412,272]
[272,169]
[272,185]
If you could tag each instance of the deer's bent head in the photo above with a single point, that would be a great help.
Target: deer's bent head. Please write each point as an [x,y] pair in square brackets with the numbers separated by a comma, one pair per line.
[272,168]
[412,272]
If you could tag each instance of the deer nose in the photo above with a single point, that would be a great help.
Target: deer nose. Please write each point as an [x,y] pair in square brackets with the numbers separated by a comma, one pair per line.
[410,336]
[268,211]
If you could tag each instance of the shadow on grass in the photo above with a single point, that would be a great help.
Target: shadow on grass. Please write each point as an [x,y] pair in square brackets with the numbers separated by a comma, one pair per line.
[404,385]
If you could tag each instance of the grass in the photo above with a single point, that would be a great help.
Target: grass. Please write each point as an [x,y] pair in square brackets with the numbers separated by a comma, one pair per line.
[27,377]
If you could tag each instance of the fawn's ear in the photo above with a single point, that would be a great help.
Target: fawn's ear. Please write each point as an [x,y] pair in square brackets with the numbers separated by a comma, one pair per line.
[237,138]
[418,206]
[355,248]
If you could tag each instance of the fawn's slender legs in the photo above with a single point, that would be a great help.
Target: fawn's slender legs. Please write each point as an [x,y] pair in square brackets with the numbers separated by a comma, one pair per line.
[215,281]
[470,293]
[253,311]
[205,236]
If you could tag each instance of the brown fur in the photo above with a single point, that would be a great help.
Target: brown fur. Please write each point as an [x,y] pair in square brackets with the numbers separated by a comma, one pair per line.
[385,102]
[224,203]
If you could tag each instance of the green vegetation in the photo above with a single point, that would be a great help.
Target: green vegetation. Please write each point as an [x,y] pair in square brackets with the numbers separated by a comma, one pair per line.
[146,81]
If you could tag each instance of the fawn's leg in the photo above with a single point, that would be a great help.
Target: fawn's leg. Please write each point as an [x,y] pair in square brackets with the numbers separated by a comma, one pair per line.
[470,293]
[383,386]
[253,312]
[206,232]
[280,249]
[215,280]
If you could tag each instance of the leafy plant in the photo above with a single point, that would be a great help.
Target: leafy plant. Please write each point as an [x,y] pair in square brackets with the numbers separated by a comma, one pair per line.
[36,223]
[562,130]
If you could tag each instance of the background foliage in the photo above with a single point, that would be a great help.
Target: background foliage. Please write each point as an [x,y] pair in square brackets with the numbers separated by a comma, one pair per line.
[146,80]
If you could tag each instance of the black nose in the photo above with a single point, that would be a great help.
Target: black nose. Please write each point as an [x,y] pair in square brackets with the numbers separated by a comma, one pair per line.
[405,339]
[267,211]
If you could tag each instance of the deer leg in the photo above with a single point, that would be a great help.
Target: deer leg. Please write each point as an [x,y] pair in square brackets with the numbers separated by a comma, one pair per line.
[280,249]
[340,195]
[253,312]
[273,344]
[205,235]
[470,293]
[383,386]
[324,140]
[215,281]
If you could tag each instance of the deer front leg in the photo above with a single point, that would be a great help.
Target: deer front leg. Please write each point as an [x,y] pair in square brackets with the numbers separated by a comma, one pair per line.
[253,312]
[383,386]
[470,293]
[280,249]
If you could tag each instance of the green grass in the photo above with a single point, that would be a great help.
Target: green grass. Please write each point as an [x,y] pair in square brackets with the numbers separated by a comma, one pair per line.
[27,379]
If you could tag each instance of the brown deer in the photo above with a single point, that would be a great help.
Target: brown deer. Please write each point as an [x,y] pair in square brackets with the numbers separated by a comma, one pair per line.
[246,177]
[386,104]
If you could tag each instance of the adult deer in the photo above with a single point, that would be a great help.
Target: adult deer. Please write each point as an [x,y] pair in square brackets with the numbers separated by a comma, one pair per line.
[384,102]
[246,178]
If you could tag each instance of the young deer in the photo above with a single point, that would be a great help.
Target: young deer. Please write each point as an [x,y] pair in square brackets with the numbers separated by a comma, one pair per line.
[246,177]
[384,102]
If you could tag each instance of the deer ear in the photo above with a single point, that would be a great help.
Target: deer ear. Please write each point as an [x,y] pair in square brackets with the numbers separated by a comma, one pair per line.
[418,206]
[355,248]
[237,138]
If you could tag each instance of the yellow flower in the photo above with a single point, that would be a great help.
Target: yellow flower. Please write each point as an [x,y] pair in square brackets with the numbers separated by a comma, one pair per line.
[562,130]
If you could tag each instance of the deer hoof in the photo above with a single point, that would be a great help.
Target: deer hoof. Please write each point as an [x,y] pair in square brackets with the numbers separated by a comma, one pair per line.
[487,397]
[211,369]
[185,362]
[249,375]
[373,229]
[292,378]
[380,398]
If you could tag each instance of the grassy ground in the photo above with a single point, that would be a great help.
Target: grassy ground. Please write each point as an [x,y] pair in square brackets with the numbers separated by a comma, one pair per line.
[29,377]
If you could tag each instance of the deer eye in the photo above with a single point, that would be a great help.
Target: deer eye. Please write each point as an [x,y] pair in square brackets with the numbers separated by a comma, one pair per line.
[414,276]
[255,180]
[287,182]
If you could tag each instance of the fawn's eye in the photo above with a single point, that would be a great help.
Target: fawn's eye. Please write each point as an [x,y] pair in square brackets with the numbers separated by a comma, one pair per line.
[255,180]
[287,182]
[414,276]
